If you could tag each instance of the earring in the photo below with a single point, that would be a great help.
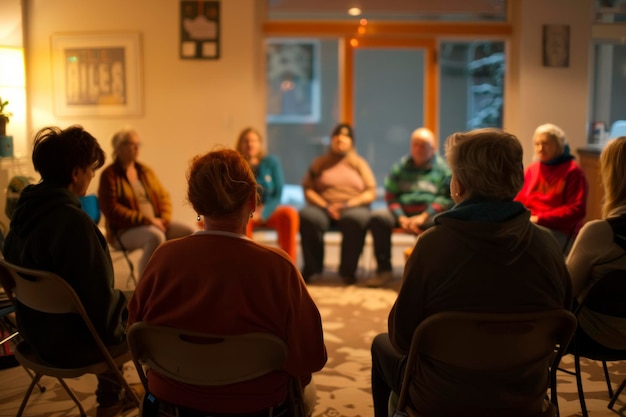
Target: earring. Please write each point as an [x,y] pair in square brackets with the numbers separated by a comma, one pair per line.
[198,218]
[456,194]
[251,214]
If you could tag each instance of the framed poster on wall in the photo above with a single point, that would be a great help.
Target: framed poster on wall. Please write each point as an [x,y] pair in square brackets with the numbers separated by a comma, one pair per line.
[556,39]
[96,74]
[199,29]
[293,85]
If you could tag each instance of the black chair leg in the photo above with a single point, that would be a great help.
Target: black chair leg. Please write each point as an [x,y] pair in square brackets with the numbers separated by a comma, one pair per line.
[608,379]
[27,395]
[579,384]
[73,397]
[617,393]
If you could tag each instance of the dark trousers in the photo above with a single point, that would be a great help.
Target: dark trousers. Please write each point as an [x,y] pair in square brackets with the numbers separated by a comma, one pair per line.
[387,373]
[314,222]
[381,227]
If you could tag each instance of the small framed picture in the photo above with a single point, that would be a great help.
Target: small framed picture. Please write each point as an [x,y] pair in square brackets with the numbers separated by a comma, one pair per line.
[556,45]
[293,86]
[199,29]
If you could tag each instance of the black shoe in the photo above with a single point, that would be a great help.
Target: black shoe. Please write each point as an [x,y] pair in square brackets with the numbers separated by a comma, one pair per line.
[381,278]
[349,279]
[307,275]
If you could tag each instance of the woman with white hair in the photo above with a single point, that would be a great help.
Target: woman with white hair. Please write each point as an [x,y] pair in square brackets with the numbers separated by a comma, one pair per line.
[136,206]
[555,189]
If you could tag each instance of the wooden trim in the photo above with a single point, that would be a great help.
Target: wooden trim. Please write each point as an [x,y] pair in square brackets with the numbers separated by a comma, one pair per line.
[353,35]
[404,29]
[431,75]
[346,84]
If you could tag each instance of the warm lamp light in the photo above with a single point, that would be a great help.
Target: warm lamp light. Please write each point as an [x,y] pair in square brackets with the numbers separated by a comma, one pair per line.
[11,67]
[13,90]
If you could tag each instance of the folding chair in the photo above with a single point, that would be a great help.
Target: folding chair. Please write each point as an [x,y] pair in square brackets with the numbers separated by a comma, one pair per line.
[209,360]
[47,292]
[489,343]
[8,324]
[605,296]
[91,206]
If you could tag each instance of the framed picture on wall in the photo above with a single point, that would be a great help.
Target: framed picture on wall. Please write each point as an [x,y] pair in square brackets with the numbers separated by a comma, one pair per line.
[97,74]
[199,29]
[556,46]
[293,85]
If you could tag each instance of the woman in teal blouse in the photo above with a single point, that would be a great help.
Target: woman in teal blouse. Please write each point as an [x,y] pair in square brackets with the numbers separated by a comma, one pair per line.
[269,175]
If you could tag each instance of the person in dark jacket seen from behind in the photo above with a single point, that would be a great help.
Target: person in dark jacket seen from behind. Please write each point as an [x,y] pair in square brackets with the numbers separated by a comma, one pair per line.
[49,231]
[502,263]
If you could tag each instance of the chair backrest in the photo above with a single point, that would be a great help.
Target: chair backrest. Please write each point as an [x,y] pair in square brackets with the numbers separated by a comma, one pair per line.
[204,359]
[489,342]
[607,294]
[91,206]
[47,292]
[618,128]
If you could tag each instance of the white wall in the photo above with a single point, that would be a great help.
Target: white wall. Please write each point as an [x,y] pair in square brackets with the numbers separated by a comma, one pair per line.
[544,94]
[190,106]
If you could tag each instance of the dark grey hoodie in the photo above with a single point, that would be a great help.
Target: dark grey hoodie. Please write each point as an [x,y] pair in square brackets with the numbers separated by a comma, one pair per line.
[50,231]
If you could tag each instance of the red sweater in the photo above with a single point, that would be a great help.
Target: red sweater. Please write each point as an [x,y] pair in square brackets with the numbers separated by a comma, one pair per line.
[556,194]
[227,284]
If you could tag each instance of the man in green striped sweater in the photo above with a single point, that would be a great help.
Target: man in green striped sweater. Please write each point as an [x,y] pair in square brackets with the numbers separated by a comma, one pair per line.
[416,188]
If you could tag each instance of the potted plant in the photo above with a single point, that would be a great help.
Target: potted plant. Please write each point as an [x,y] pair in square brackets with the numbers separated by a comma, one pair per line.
[4,117]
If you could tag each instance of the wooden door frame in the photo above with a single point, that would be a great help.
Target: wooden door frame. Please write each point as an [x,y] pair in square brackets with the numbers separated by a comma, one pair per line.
[431,75]
[364,34]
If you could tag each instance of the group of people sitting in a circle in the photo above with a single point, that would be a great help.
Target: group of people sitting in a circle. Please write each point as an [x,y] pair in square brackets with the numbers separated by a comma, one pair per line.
[492,238]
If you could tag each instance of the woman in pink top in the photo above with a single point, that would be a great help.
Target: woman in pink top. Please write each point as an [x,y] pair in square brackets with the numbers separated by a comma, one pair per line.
[339,188]
[219,281]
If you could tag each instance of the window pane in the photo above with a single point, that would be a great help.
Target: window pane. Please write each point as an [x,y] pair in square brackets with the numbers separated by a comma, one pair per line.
[297,140]
[471,86]
[609,84]
[388,104]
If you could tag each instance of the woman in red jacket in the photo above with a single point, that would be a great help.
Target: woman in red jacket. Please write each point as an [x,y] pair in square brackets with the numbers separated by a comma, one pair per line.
[555,189]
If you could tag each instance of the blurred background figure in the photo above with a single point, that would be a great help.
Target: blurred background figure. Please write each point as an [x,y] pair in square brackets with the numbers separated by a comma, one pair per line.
[599,248]
[416,188]
[199,283]
[555,189]
[136,207]
[269,176]
[339,187]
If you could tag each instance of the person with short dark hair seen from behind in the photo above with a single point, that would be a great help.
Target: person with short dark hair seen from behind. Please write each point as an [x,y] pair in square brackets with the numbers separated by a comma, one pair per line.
[555,189]
[219,281]
[483,255]
[339,188]
[599,248]
[49,231]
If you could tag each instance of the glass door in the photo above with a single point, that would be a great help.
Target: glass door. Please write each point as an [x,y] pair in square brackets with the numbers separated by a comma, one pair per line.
[391,93]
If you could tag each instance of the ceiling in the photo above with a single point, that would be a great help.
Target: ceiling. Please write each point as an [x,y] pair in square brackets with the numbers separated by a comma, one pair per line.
[388,9]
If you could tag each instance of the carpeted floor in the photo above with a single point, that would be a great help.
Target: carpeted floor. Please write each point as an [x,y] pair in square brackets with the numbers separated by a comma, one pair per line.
[352,316]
